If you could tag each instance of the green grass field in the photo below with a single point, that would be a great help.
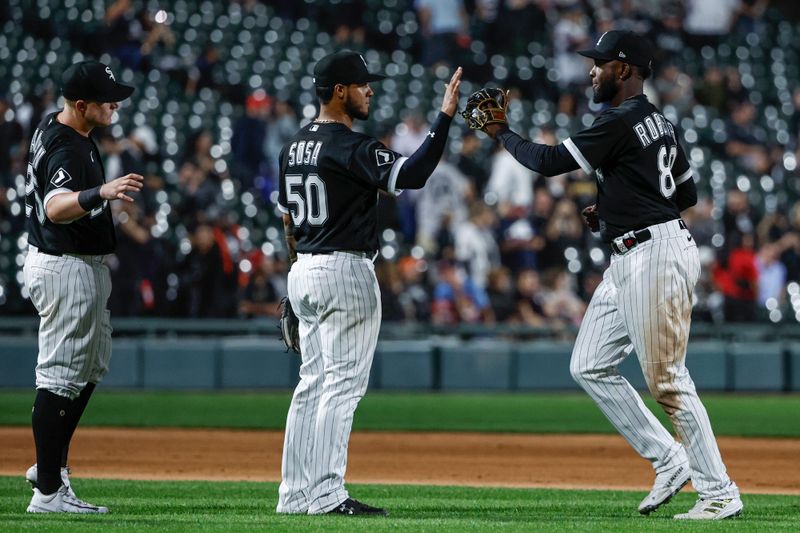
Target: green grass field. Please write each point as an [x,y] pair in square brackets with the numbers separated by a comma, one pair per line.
[205,506]
[516,413]
[225,506]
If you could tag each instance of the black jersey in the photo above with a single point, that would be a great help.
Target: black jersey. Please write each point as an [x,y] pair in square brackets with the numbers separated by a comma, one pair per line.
[61,160]
[329,183]
[638,163]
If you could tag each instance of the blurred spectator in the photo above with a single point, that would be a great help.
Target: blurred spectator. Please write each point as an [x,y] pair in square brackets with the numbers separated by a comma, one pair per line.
[771,274]
[444,26]
[475,245]
[746,141]
[563,230]
[264,289]
[559,301]
[737,219]
[249,137]
[202,278]
[519,243]
[519,22]
[711,91]
[204,72]
[446,193]
[281,125]
[415,298]
[409,134]
[468,163]
[736,276]
[570,35]
[500,290]
[198,191]
[510,183]
[708,20]
[676,89]
[133,293]
[457,299]
[530,310]
[700,221]
[345,18]
[10,142]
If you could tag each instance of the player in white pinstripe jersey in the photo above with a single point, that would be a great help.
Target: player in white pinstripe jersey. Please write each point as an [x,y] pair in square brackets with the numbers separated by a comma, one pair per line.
[70,234]
[330,179]
[644,301]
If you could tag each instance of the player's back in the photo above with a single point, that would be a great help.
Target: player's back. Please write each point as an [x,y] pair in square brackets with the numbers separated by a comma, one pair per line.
[330,177]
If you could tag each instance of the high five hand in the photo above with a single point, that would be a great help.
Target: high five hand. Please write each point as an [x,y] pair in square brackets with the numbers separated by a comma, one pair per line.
[450,102]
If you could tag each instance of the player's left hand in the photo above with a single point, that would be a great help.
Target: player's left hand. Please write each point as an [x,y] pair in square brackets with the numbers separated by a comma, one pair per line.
[450,102]
[486,107]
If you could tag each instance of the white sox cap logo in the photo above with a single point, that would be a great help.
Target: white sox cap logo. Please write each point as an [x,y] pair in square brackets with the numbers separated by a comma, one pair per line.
[110,74]
[60,178]
[384,157]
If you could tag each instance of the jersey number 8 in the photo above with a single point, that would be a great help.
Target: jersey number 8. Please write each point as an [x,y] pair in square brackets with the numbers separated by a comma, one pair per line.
[665,161]
[311,206]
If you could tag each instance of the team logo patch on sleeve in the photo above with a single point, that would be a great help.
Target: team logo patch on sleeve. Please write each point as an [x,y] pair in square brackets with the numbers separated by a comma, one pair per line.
[60,178]
[384,157]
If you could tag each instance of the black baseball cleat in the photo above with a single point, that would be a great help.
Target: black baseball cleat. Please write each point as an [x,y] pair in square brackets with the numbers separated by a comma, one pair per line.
[355,507]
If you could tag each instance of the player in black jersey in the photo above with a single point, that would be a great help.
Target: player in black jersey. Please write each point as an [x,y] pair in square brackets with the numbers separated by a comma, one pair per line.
[70,234]
[329,184]
[644,303]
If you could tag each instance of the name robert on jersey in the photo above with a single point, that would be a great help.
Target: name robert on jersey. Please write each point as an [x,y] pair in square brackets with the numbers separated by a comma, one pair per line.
[304,153]
[653,127]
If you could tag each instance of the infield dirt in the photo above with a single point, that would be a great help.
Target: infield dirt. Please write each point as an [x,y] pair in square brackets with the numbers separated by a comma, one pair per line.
[758,465]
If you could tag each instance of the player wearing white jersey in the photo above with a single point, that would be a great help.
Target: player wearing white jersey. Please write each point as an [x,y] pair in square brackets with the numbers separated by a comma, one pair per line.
[329,185]
[70,234]
[644,303]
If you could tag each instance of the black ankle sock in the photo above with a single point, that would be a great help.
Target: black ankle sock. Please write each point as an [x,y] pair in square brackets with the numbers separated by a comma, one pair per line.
[49,421]
[74,413]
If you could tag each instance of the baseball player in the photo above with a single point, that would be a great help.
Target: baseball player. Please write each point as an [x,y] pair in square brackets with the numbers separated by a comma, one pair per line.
[644,302]
[70,234]
[329,184]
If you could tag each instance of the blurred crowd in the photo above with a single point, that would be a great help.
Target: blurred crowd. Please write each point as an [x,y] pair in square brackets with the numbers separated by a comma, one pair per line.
[487,240]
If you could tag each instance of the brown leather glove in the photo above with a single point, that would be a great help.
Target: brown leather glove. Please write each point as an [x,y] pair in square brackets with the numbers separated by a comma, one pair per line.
[590,217]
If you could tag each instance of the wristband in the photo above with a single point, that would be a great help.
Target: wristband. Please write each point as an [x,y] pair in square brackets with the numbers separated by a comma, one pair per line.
[90,198]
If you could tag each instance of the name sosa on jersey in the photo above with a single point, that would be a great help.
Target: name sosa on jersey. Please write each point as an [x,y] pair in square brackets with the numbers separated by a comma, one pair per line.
[304,153]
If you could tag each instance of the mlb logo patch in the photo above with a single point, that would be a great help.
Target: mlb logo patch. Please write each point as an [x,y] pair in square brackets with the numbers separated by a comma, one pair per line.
[60,178]
[384,157]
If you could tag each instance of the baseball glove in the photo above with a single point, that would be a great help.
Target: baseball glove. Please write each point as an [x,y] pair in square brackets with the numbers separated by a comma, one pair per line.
[487,106]
[289,326]
[590,218]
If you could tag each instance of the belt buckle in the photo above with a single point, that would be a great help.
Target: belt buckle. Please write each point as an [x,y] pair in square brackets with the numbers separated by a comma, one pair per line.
[624,243]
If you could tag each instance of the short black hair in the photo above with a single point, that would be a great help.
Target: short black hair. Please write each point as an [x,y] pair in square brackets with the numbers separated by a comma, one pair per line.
[324,94]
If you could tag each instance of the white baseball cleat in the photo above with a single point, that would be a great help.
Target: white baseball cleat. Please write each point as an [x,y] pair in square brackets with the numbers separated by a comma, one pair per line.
[668,483]
[32,476]
[713,509]
[61,502]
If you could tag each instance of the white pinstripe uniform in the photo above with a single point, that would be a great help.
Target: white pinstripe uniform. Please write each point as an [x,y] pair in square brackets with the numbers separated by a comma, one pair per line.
[337,300]
[644,302]
[70,294]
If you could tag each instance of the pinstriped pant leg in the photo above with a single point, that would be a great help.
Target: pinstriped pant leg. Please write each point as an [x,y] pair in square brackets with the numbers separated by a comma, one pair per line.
[300,436]
[668,278]
[350,335]
[602,344]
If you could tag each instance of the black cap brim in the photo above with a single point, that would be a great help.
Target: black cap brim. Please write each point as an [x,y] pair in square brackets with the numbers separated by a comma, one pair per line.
[594,54]
[119,93]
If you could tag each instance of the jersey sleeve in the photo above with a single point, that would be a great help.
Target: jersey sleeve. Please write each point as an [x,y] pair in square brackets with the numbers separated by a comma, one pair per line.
[282,203]
[375,164]
[681,169]
[592,146]
[64,173]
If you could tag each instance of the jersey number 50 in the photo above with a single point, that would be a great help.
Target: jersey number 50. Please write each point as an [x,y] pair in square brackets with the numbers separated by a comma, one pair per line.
[311,206]
[665,161]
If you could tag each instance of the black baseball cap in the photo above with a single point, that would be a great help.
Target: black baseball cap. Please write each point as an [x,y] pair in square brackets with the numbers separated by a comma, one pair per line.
[345,67]
[624,46]
[93,81]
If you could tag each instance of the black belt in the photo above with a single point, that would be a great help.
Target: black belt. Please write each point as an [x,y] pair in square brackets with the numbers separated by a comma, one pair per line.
[628,241]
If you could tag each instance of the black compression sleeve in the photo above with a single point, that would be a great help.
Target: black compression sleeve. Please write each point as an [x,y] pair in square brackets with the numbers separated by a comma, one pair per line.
[686,194]
[541,158]
[417,169]
[90,198]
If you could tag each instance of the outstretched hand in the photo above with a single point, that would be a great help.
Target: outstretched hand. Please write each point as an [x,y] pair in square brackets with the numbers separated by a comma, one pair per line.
[116,189]
[450,102]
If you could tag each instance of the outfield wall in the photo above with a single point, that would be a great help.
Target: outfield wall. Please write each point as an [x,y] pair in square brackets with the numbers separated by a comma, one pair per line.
[254,362]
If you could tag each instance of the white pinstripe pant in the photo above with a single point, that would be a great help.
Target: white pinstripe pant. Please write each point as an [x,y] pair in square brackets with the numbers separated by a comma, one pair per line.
[644,303]
[337,300]
[70,294]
